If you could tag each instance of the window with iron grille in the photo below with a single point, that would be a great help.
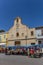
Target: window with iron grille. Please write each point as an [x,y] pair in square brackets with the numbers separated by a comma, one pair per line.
[4,36]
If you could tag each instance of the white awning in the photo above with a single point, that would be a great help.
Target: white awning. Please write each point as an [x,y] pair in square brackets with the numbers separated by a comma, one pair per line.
[2,43]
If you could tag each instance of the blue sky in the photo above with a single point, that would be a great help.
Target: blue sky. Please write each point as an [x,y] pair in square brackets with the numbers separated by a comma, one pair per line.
[31,12]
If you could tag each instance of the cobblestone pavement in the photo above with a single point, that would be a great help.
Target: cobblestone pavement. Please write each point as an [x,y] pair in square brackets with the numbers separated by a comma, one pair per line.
[19,60]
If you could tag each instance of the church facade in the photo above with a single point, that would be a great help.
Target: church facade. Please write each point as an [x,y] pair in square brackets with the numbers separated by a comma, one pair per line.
[21,35]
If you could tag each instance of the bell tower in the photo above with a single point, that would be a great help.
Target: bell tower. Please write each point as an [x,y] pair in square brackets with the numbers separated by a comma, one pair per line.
[17,21]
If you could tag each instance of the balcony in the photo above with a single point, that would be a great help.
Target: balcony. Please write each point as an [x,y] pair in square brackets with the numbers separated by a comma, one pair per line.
[39,36]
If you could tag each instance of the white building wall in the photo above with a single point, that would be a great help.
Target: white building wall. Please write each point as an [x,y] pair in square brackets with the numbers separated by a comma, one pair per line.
[39,36]
[38,33]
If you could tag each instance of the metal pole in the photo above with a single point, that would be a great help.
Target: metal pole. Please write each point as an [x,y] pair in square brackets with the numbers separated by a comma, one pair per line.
[26,35]
[26,41]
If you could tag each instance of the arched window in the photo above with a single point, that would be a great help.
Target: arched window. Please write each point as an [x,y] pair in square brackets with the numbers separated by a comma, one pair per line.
[17,34]
[17,20]
[32,33]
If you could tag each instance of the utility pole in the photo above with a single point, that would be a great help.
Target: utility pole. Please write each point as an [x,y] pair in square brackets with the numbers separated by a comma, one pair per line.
[26,41]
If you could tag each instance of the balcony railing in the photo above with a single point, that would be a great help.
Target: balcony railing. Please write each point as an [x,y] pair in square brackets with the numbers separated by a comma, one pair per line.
[39,36]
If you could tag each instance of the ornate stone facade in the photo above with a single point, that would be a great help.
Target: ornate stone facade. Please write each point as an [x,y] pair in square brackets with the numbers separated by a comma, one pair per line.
[20,35]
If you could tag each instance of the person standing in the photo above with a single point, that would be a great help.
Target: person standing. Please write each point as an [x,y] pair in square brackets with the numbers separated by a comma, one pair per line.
[32,52]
